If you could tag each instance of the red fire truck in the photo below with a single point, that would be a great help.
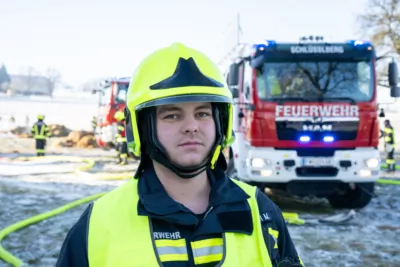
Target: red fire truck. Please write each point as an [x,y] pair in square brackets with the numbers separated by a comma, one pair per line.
[306,118]
[112,97]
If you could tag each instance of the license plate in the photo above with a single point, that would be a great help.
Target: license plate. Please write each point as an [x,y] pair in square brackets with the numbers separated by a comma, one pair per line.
[317,162]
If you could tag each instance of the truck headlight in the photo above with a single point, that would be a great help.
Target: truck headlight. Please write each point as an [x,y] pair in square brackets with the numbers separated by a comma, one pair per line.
[372,163]
[259,162]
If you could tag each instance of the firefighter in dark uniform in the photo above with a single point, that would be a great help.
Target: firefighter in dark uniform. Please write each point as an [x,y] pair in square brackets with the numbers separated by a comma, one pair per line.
[94,124]
[40,132]
[122,146]
[180,209]
[389,138]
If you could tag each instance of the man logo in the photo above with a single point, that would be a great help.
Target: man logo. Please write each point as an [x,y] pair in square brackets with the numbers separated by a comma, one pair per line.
[317,120]
[317,128]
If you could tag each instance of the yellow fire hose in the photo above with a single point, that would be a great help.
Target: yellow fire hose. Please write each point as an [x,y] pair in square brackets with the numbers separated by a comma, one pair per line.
[384,166]
[388,181]
[292,218]
[8,257]
[90,163]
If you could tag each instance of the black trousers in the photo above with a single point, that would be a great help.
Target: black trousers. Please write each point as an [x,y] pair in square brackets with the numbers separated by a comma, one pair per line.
[123,148]
[390,161]
[40,147]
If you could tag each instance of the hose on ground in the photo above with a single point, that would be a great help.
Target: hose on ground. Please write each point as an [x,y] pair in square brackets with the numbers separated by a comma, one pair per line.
[384,166]
[8,257]
[386,180]
[88,166]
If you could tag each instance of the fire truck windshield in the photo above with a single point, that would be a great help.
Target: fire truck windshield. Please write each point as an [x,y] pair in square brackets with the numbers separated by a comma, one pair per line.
[105,96]
[322,80]
[120,96]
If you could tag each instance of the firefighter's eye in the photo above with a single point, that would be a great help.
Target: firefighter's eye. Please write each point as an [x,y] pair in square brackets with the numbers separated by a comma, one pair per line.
[203,114]
[170,116]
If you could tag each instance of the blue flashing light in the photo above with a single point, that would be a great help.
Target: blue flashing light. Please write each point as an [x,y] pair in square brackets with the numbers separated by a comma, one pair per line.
[124,79]
[270,43]
[328,139]
[359,43]
[304,139]
[264,44]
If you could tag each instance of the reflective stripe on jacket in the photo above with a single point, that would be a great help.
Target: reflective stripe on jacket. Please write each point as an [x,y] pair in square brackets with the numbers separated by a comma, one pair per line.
[40,130]
[119,237]
[121,128]
[389,135]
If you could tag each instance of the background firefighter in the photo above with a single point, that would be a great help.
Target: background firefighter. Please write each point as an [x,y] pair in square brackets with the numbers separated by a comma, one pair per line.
[40,132]
[94,124]
[388,134]
[122,146]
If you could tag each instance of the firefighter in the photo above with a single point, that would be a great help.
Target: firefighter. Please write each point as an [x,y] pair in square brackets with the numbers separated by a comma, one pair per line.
[122,146]
[94,124]
[182,209]
[40,132]
[388,134]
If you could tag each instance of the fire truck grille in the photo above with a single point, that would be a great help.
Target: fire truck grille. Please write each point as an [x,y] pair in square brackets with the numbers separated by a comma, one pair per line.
[341,130]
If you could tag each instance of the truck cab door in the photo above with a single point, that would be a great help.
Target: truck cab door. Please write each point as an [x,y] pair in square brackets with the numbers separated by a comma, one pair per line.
[246,100]
[234,80]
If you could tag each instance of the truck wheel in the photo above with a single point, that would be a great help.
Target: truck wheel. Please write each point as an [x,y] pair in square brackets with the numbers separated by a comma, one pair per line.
[357,198]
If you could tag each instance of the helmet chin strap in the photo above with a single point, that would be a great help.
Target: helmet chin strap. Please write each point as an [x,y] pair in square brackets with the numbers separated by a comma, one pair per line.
[182,172]
[158,153]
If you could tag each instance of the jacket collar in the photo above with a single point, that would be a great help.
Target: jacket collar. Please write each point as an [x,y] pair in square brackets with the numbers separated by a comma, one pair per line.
[156,201]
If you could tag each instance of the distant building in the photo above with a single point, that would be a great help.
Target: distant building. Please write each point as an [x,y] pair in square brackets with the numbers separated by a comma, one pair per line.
[29,85]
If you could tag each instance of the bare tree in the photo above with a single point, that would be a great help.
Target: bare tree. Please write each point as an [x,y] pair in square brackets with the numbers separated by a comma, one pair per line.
[4,78]
[381,22]
[53,78]
[30,73]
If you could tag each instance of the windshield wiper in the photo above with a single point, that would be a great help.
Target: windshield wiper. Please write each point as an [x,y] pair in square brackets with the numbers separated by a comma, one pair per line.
[283,99]
[338,99]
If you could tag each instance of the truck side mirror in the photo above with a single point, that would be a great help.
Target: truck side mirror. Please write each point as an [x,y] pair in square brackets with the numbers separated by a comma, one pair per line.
[235,92]
[233,77]
[395,92]
[393,74]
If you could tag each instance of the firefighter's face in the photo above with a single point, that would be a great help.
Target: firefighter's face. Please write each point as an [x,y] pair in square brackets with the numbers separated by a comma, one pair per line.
[187,132]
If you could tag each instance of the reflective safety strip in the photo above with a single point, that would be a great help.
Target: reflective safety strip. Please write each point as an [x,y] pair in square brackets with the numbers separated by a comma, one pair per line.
[208,250]
[172,250]
[121,139]
[40,150]
[121,128]
[123,156]
[38,135]
[275,235]
[388,139]
[390,161]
